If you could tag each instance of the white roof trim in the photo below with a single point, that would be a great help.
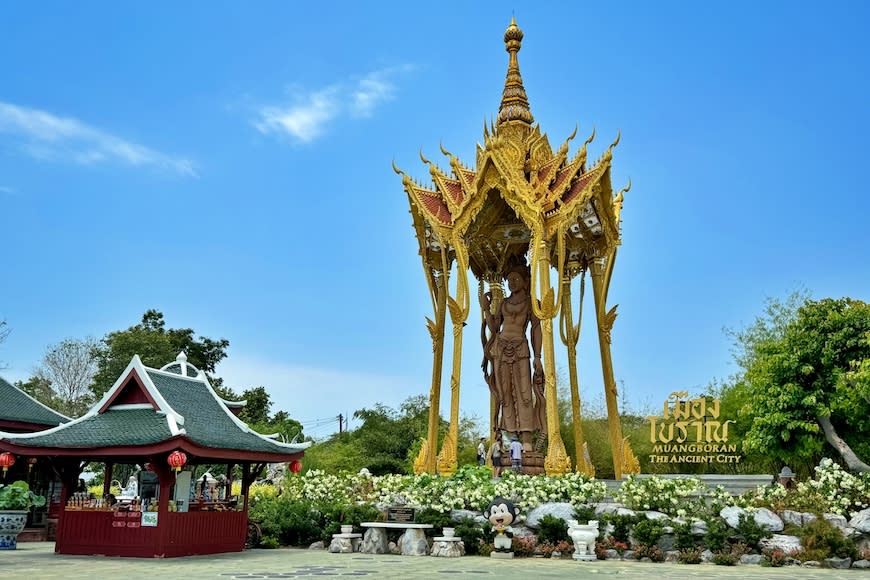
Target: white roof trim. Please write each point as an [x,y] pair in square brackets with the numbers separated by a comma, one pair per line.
[128,406]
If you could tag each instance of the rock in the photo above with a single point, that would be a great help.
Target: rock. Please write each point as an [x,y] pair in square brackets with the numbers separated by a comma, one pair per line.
[393,548]
[811,564]
[787,544]
[861,521]
[459,515]
[863,543]
[654,515]
[625,512]
[768,520]
[341,546]
[558,510]
[441,549]
[731,515]
[797,518]
[839,563]
[751,559]
[762,516]
[864,564]
[522,531]
[628,555]
[607,508]
[413,543]
[666,542]
[699,528]
[375,541]
[672,555]
[611,555]
[837,521]
[706,556]
[316,546]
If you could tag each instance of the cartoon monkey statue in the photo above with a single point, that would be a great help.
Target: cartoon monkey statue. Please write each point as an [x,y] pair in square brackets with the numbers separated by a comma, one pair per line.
[501,513]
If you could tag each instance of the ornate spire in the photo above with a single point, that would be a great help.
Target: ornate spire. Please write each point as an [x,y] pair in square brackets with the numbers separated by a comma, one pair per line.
[514,102]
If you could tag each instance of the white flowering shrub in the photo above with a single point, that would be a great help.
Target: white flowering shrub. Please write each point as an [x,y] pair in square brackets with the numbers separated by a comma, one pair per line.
[660,494]
[839,491]
[470,488]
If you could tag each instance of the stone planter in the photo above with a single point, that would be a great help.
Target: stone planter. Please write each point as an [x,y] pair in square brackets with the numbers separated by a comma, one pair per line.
[11,524]
[347,529]
[448,532]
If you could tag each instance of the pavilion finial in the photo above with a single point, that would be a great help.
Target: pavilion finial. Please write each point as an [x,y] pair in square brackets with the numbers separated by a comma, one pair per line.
[514,102]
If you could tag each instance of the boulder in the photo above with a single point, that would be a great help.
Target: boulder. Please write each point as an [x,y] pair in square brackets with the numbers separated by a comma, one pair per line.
[607,508]
[611,555]
[839,563]
[672,556]
[666,542]
[811,564]
[375,542]
[522,531]
[654,515]
[628,555]
[442,549]
[731,515]
[413,543]
[837,521]
[797,518]
[706,557]
[751,559]
[699,528]
[561,510]
[459,515]
[768,520]
[787,544]
[861,521]
[318,545]
[863,564]
[625,512]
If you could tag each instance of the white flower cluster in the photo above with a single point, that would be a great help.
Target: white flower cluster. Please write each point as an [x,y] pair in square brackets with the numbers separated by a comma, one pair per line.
[840,491]
[471,488]
[661,494]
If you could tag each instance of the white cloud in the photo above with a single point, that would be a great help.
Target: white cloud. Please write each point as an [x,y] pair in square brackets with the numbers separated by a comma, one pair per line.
[308,116]
[308,393]
[49,137]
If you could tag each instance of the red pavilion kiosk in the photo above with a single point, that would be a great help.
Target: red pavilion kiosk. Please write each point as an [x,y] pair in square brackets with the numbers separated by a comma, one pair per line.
[160,418]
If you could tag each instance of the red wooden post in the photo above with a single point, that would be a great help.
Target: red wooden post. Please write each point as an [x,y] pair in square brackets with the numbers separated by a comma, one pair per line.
[107,478]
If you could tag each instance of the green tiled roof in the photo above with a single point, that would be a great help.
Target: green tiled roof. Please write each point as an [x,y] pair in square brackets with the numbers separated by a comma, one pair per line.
[112,428]
[16,405]
[205,420]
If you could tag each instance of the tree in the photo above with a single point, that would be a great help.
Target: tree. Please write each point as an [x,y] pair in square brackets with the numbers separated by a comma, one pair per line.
[156,345]
[69,367]
[256,414]
[807,382]
[40,389]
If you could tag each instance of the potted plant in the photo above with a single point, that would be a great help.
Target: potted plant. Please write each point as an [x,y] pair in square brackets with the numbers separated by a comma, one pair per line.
[16,499]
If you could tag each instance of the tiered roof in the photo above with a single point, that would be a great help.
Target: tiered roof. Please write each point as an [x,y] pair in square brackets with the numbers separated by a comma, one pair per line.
[21,412]
[151,411]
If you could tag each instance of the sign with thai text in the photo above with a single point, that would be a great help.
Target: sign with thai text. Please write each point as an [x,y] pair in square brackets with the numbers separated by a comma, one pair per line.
[691,431]
[149,519]
[400,514]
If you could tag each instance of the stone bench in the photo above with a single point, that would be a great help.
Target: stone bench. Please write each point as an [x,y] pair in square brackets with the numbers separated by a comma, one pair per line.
[412,543]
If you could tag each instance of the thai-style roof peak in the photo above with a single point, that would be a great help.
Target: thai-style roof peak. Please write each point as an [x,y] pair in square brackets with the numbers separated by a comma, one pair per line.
[514,102]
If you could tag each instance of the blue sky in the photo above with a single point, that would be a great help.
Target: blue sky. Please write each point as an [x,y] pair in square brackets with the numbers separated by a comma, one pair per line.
[229,165]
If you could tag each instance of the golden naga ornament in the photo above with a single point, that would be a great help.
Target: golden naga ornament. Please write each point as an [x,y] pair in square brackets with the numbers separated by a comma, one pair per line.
[521,212]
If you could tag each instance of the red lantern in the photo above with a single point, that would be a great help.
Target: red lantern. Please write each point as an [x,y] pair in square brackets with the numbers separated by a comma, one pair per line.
[31,461]
[7,460]
[295,466]
[176,460]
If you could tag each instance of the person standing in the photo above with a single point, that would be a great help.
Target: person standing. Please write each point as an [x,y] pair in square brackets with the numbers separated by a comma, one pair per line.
[516,455]
[481,451]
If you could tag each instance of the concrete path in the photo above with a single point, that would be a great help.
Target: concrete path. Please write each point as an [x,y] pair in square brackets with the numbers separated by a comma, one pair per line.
[37,561]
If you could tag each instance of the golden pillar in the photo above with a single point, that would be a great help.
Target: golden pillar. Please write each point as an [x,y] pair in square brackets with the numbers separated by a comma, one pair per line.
[601,269]
[570,334]
[556,461]
[425,461]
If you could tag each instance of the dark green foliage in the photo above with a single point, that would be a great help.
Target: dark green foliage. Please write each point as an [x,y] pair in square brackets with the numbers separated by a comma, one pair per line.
[337,515]
[472,535]
[822,538]
[751,533]
[584,514]
[439,520]
[716,538]
[289,523]
[684,540]
[552,529]
[647,532]
[621,526]
[156,345]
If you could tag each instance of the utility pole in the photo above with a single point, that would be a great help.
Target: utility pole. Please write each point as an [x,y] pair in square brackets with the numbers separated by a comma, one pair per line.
[340,417]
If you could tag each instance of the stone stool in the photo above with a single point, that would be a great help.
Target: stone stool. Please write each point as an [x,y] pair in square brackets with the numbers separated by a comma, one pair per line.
[448,545]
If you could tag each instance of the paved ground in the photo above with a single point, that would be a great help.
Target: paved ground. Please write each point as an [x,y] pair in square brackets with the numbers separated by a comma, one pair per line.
[37,561]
